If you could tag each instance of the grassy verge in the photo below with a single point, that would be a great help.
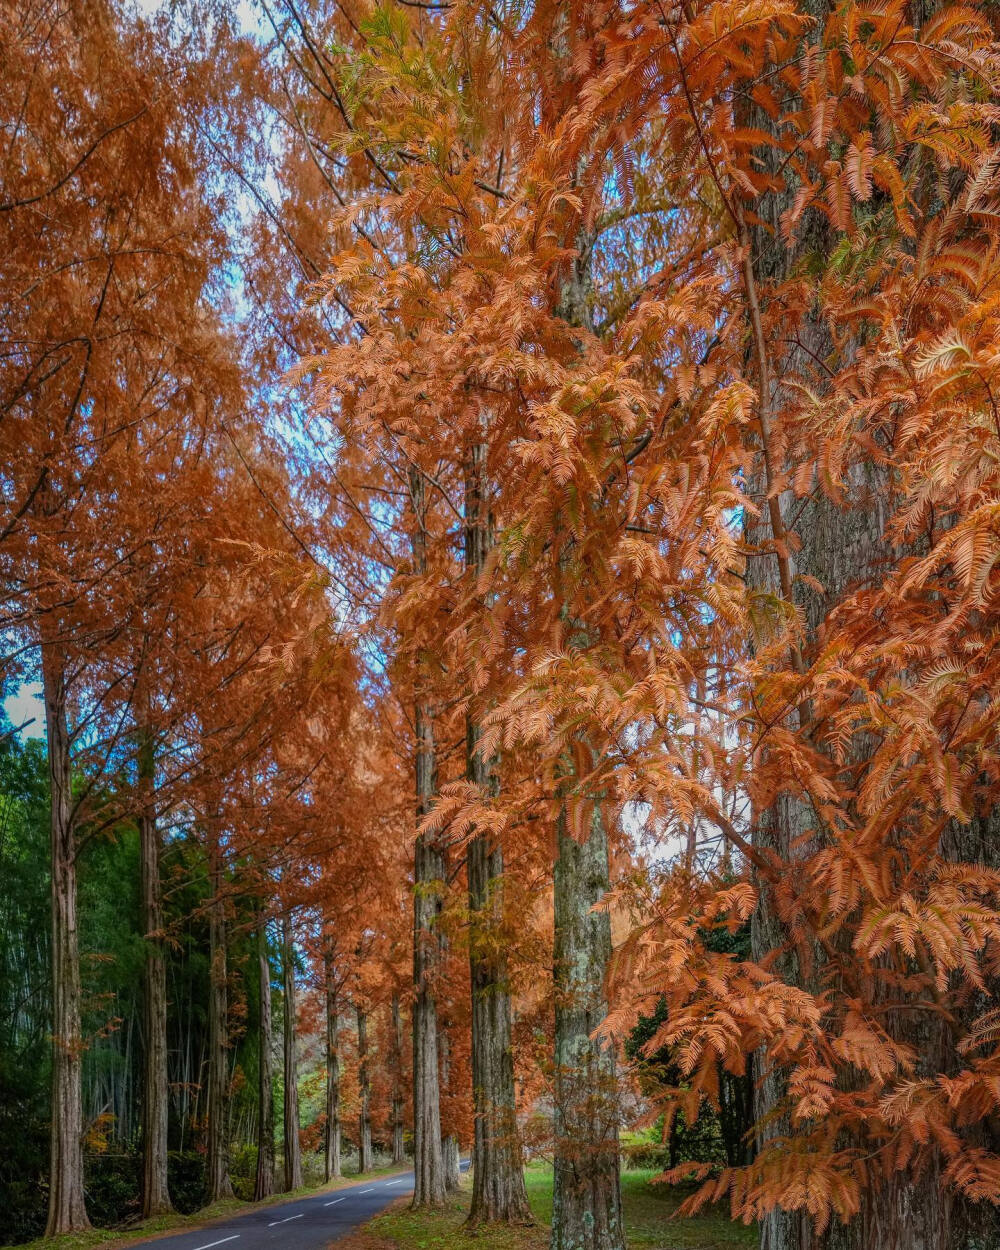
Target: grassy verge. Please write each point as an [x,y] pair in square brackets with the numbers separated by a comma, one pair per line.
[161,1225]
[648,1221]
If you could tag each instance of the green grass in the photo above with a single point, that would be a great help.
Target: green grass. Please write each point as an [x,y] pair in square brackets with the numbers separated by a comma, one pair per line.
[228,1207]
[649,1221]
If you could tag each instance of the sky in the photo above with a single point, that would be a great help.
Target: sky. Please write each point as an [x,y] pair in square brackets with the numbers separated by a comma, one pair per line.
[27,705]
[247,16]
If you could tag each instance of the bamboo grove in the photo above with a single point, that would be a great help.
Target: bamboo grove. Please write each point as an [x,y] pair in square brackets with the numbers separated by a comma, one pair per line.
[500,504]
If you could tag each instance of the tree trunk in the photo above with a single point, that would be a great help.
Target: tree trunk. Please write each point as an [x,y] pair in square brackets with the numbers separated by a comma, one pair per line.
[293,1152]
[155,1084]
[498,1192]
[219,1184]
[67,1211]
[449,1142]
[452,1163]
[264,1180]
[586,1196]
[398,1155]
[332,1167]
[428,877]
[586,1200]
[429,1186]
[365,1089]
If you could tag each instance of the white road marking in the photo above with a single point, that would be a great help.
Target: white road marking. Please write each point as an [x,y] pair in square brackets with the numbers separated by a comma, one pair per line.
[291,1217]
[388,1183]
[209,1244]
[365,1191]
[333,1203]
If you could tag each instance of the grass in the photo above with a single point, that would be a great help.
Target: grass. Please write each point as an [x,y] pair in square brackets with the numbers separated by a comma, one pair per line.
[649,1222]
[163,1224]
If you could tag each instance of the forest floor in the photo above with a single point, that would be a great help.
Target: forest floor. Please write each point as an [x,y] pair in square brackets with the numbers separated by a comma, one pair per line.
[122,1238]
[649,1222]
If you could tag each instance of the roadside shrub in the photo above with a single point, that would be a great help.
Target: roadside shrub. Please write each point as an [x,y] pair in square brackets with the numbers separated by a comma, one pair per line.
[112,1183]
[186,1180]
[243,1171]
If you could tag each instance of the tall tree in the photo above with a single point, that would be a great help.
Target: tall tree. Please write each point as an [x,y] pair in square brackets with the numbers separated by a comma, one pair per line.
[67,1211]
[264,1177]
[587,1207]
[428,875]
[498,1192]
[155,1112]
[332,1138]
[293,1150]
[365,1090]
[219,1184]
[398,1153]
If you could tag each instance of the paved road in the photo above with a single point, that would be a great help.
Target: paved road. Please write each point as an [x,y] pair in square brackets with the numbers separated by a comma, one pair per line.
[300,1224]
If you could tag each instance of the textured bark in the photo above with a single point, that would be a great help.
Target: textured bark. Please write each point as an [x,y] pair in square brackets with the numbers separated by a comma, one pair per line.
[155,1087]
[264,1179]
[67,1211]
[332,1166]
[217,1169]
[498,1192]
[428,877]
[293,1151]
[429,1188]
[398,1154]
[586,1210]
[452,1163]
[365,1089]
[449,1142]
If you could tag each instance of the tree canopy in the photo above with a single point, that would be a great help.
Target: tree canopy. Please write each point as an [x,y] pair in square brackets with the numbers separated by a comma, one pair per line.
[500,502]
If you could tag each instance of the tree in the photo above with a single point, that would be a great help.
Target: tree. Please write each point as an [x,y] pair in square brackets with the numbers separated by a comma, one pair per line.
[264,1181]
[398,1152]
[293,1152]
[364,1080]
[332,1151]
[155,1194]
[428,874]
[498,1180]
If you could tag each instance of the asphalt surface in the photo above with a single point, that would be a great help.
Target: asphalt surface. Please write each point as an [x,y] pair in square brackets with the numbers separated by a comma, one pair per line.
[299,1224]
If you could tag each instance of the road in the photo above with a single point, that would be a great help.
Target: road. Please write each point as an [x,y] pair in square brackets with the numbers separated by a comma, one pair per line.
[301,1224]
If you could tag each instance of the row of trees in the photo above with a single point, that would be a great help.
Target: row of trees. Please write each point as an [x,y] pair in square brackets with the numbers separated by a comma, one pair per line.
[540,459]
[330,1062]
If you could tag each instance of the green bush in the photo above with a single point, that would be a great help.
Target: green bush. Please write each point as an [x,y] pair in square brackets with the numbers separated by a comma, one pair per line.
[24,1154]
[186,1180]
[645,1155]
[243,1171]
[113,1183]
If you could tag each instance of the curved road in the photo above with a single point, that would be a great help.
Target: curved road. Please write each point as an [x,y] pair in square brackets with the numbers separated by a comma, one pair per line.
[308,1223]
